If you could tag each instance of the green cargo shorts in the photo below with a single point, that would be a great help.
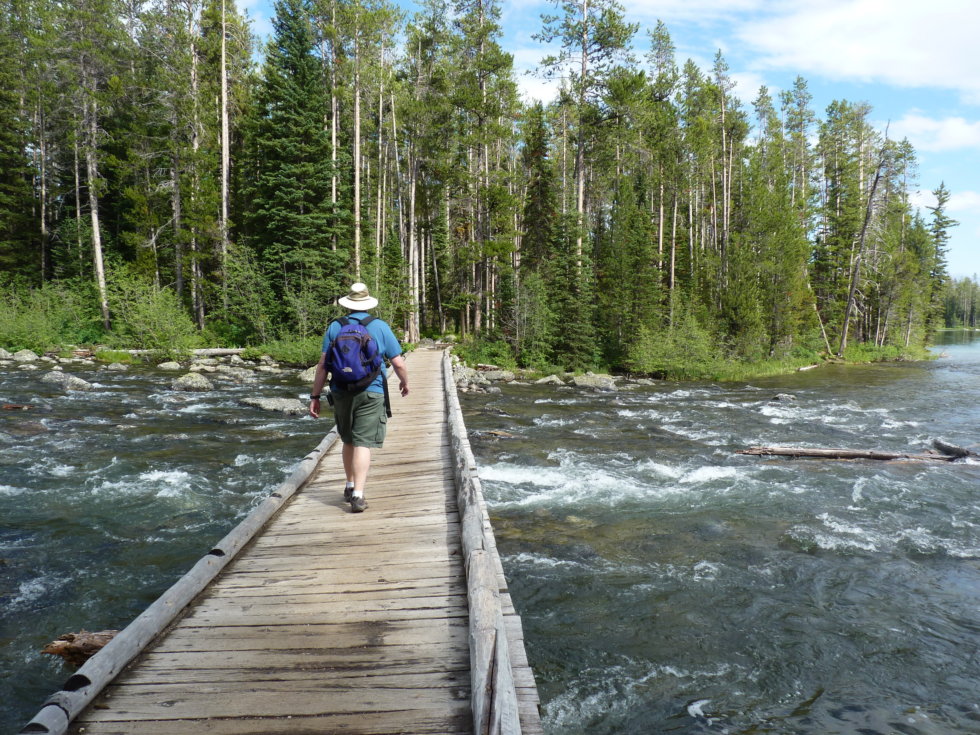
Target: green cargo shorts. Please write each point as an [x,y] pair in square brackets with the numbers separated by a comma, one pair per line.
[361,418]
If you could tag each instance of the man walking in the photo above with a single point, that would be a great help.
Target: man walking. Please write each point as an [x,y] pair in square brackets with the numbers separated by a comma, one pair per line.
[361,415]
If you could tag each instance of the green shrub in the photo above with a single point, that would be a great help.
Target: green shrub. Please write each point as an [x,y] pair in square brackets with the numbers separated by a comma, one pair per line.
[473,351]
[301,351]
[48,317]
[149,318]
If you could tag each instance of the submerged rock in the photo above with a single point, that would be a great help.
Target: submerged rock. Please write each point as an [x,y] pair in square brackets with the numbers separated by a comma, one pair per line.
[783,397]
[238,374]
[191,381]
[288,406]
[550,380]
[66,381]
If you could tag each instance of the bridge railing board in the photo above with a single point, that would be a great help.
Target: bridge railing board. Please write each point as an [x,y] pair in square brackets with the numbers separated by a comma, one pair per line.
[84,685]
[494,695]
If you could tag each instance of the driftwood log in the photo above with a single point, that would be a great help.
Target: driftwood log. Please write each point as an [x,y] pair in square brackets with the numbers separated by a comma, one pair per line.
[947,453]
[77,648]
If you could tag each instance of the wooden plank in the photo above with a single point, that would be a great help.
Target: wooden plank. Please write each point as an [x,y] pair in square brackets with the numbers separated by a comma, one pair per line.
[366,723]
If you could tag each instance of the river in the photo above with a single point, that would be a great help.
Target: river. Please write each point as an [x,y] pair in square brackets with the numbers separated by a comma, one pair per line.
[666,584]
[669,585]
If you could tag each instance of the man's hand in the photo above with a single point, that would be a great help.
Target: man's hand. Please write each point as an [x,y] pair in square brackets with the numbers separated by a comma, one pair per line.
[403,387]
[315,408]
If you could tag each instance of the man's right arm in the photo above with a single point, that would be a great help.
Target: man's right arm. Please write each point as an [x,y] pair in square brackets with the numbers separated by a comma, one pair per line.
[319,380]
[398,363]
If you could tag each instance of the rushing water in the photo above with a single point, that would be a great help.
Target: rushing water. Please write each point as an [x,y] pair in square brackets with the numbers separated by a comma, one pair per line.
[666,583]
[669,585]
[108,496]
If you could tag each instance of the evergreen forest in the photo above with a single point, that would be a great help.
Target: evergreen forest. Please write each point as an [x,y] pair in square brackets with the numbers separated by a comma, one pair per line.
[168,182]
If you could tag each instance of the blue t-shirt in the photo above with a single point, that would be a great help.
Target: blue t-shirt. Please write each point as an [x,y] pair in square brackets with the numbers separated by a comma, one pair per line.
[388,344]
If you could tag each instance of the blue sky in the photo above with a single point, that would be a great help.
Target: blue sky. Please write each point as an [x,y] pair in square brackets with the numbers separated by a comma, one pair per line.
[916,63]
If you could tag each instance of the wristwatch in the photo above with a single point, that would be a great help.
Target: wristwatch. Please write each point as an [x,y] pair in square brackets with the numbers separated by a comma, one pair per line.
[315,398]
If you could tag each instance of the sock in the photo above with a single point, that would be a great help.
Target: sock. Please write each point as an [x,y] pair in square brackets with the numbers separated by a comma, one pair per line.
[348,485]
[358,493]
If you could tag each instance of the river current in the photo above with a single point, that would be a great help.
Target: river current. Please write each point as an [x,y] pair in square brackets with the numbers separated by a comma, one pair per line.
[666,583]
[670,585]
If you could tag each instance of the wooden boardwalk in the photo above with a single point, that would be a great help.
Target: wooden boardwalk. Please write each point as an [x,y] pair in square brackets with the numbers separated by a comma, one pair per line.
[329,621]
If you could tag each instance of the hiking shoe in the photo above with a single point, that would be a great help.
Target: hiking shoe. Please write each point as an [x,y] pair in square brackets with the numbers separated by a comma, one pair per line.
[357,504]
[348,494]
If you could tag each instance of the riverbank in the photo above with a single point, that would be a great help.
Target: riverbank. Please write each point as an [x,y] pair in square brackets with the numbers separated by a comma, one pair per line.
[476,376]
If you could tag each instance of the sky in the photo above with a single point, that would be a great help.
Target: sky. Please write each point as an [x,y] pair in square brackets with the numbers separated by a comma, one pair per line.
[915,62]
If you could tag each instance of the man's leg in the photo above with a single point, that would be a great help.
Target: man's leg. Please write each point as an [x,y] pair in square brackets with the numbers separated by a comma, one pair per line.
[361,464]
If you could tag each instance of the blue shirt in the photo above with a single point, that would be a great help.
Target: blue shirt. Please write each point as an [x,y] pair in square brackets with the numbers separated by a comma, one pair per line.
[388,344]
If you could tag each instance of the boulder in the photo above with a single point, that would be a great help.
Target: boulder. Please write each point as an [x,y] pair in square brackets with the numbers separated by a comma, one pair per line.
[550,380]
[66,381]
[783,397]
[191,381]
[307,375]
[209,361]
[237,361]
[24,356]
[288,406]
[198,368]
[4,355]
[596,382]
[499,375]
[117,367]
[169,365]
[270,369]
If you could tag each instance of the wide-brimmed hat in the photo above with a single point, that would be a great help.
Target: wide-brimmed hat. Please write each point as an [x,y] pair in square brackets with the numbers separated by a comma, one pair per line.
[358,299]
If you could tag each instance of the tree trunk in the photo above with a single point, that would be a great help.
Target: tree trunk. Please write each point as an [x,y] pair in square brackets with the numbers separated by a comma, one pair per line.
[225,158]
[92,168]
[357,151]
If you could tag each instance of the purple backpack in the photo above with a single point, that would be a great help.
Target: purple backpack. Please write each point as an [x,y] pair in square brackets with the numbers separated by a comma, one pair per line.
[353,357]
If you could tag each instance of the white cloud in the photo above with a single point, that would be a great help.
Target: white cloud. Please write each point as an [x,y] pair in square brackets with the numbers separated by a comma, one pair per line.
[963,202]
[693,11]
[907,43]
[930,134]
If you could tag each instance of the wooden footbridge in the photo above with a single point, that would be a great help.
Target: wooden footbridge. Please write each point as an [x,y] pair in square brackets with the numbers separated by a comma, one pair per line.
[307,618]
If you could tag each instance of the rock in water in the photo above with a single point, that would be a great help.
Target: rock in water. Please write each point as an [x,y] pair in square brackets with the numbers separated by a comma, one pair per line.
[596,382]
[192,381]
[169,365]
[77,648]
[4,355]
[25,356]
[66,381]
[288,406]
[307,375]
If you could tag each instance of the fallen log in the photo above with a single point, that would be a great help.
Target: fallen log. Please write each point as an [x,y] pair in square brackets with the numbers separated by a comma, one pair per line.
[845,454]
[77,648]
[952,450]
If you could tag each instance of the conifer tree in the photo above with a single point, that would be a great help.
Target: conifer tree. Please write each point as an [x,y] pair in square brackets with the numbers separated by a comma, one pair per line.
[289,222]
[16,196]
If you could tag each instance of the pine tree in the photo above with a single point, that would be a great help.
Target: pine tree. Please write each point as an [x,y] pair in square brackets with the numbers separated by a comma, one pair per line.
[290,222]
[16,196]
